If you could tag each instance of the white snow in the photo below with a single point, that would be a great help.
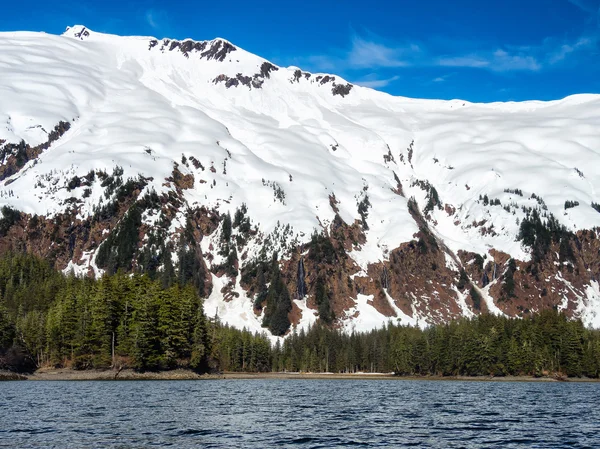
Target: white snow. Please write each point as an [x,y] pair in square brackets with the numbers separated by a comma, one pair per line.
[309,316]
[367,318]
[363,316]
[589,309]
[489,301]
[236,312]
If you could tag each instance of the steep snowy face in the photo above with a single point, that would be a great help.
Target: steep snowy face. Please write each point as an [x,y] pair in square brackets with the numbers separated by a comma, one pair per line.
[207,125]
[141,104]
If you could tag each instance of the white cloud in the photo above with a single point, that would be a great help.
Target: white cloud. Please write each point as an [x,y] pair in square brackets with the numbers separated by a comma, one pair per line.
[566,49]
[502,61]
[440,79]
[376,83]
[367,53]
[463,61]
[529,58]
[151,20]
[386,59]
[363,54]
[499,60]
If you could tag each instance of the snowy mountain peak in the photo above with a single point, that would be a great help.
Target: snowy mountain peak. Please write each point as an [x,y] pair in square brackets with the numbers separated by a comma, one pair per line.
[239,67]
[78,32]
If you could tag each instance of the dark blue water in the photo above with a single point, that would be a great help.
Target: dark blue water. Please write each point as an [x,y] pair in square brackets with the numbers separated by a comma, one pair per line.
[299,414]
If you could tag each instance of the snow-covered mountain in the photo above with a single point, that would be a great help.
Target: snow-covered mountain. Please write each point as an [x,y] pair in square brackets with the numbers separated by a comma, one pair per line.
[129,152]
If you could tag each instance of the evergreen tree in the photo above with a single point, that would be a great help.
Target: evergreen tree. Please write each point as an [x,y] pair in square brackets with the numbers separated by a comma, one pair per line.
[279,303]
[323,303]
[261,289]
[146,348]
[475,297]
[48,319]
[226,229]
[200,342]
[463,280]
[508,287]
[168,276]
[7,331]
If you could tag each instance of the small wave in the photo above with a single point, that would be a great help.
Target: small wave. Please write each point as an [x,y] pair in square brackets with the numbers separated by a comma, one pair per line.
[33,431]
[197,432]
[301,440]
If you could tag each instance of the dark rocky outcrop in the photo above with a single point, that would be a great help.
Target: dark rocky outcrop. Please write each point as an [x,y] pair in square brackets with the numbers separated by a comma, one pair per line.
[341,89]
[324,79]
[217,49]
[256,81]
[82,33]
[266,68]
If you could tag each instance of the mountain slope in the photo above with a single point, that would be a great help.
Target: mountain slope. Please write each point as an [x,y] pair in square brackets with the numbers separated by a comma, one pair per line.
[202,129]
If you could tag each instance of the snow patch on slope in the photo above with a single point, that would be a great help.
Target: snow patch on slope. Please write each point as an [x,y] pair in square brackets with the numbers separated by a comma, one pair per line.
[589,308]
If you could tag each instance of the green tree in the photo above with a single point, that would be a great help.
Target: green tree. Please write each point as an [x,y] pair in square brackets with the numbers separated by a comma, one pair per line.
[279,303]
[323,303]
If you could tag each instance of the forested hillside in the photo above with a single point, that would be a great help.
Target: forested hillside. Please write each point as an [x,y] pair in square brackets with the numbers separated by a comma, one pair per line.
[133,321]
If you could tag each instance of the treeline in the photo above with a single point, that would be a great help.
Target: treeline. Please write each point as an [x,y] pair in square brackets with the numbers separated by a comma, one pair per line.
[543,344]
[118,321]
[49,319]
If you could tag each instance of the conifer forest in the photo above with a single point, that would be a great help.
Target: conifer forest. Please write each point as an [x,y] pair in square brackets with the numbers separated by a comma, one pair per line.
[133,321]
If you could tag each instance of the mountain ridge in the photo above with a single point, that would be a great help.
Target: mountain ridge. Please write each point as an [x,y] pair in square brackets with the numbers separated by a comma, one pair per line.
[373,174]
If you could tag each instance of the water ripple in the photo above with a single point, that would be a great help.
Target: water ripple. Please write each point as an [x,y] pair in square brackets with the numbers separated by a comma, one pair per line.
[299,414]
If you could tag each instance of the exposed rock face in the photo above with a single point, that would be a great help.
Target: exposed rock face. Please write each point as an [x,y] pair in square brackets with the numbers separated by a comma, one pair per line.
[324,79]
[82,34]
[266,68]
[181,181]
[341,89]
[217,49]
[299,75]
[255,81]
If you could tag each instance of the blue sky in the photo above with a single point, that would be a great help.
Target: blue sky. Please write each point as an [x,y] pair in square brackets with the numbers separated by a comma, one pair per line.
[469,49]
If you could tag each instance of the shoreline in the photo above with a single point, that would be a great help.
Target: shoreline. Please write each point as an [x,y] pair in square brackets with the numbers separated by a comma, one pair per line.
[65,374]
[388,376]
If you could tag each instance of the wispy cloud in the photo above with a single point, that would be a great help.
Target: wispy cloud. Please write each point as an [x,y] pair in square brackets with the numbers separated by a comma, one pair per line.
[373,82]
[472,60]
[504,61]
[151,19]
[520,58]
[564,50]
[158,21]
[441,79]
[372,54]
[368,53]
[363,54]
[372,61]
